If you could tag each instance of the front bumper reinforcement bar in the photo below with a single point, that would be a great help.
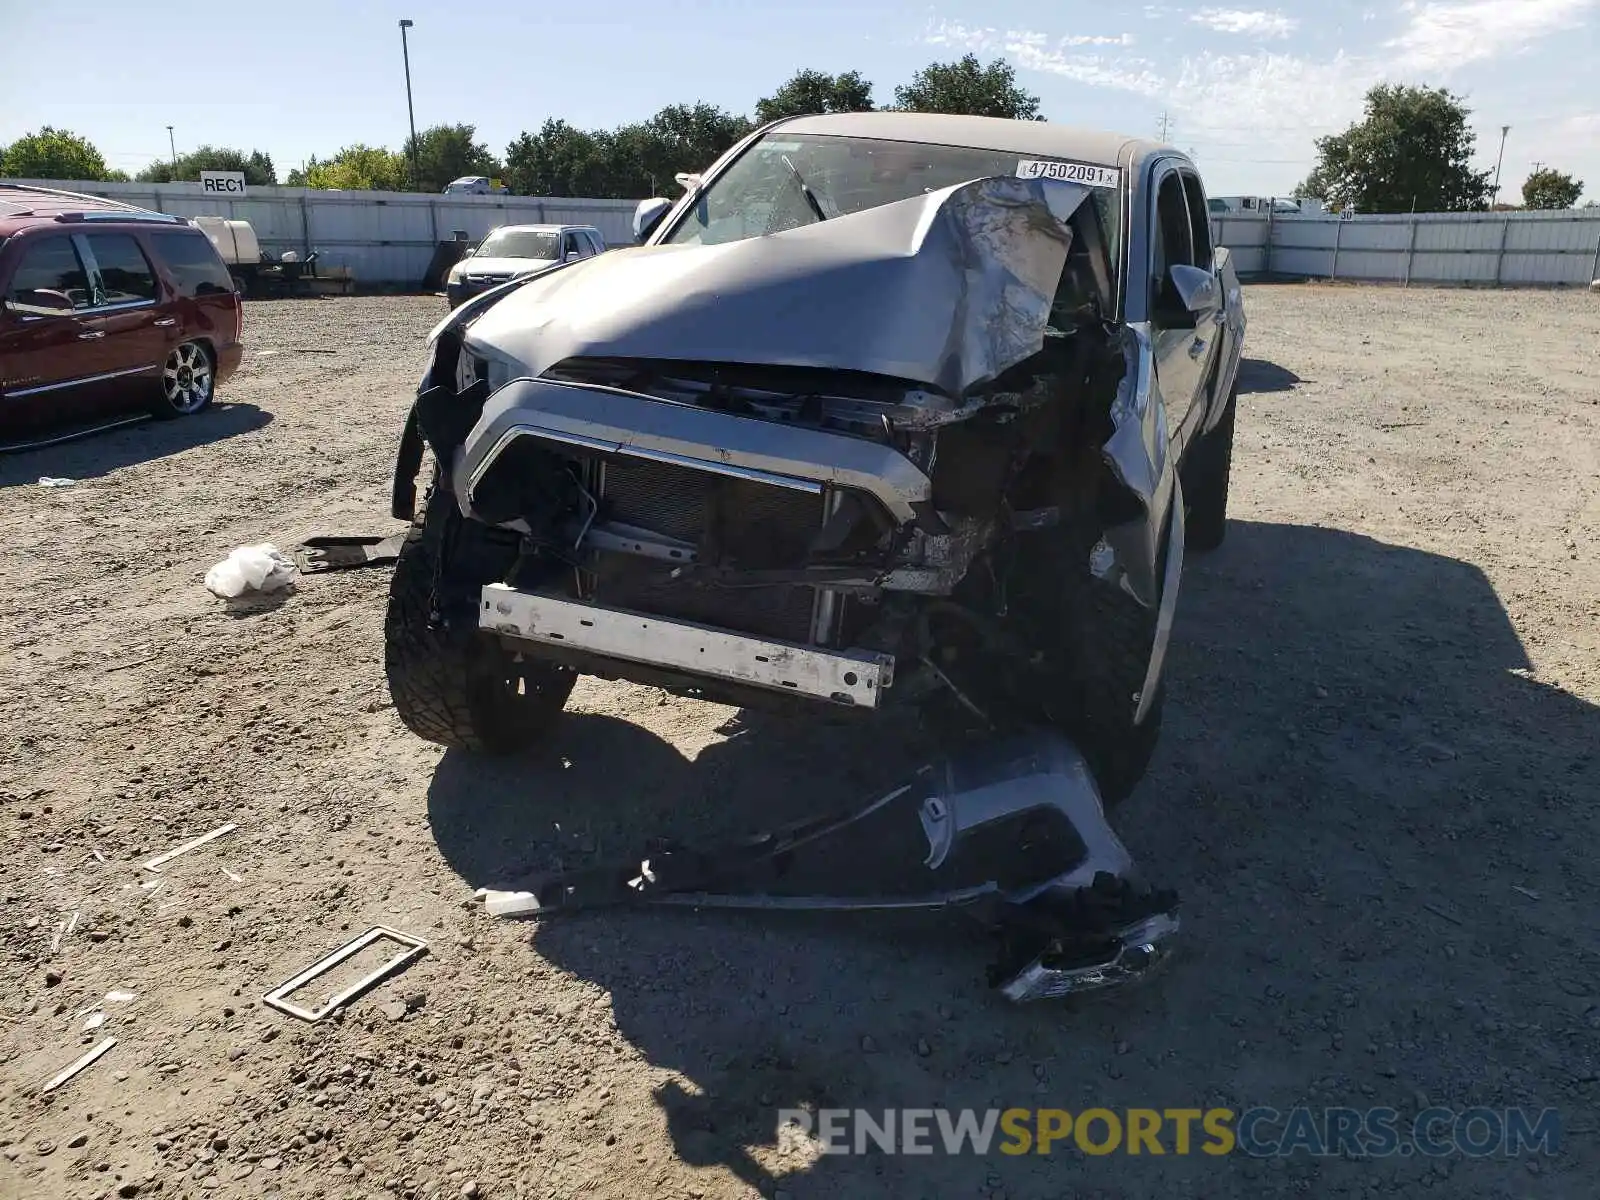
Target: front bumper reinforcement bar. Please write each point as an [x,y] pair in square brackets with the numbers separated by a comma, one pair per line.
[841,677]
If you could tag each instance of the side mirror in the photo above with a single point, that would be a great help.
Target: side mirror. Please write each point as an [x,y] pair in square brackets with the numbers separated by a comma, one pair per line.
[1196,289]
[648,215]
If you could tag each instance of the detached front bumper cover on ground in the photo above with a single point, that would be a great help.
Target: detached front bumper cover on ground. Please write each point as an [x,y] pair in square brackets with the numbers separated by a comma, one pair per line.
[1012,832]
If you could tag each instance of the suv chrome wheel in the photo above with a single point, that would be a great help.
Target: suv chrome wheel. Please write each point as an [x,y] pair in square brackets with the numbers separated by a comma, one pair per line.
[187,380]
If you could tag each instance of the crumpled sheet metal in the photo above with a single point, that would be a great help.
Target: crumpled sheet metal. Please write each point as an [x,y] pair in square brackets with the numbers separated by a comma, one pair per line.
[1011,830]
[946,290]
[1137,453]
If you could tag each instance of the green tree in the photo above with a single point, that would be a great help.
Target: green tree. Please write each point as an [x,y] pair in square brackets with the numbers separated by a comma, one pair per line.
[968,87]
[257,166]
[816,92]
[447,152]
[1412,150]
[629,162]
[685,137]
[53,154]
[1549,188]
[559,160]
[355,168]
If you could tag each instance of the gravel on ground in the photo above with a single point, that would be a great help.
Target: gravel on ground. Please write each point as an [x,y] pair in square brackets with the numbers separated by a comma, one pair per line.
[1376,792]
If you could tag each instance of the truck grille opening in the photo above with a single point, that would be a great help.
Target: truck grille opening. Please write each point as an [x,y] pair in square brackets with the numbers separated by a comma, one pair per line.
[735,522]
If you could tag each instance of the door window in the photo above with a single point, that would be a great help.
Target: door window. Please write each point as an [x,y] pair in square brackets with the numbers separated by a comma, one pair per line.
[49,279]
[125,274]
[1171,242]
[1199,219]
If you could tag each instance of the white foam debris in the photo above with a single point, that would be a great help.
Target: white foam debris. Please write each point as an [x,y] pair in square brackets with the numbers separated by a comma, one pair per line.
[258,568]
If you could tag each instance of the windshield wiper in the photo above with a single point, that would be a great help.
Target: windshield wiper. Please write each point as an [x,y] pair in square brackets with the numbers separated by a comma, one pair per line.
[805,190]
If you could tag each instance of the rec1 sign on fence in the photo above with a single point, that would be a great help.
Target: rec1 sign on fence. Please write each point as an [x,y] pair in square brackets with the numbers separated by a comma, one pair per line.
[222,183]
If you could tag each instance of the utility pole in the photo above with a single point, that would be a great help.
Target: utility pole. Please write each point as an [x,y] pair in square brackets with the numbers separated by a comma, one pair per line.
[1504,129]
[172,145]
[405,53]
[1166,125]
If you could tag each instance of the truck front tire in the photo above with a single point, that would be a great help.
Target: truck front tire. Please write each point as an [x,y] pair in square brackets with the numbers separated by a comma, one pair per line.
[450,683]
[1205,483]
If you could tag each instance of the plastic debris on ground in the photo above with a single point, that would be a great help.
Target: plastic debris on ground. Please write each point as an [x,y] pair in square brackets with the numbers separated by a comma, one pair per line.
[160,860]
[53,481]
[258,568]
[79,1064]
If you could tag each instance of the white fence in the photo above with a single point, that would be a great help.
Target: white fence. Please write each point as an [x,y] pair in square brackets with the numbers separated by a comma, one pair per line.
[383,237]
[1521,248]
[388,237]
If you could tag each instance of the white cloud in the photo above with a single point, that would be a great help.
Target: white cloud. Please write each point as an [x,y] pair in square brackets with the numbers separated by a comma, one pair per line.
[1267,106]
[1254,22]
[1443,36]
[1250,94]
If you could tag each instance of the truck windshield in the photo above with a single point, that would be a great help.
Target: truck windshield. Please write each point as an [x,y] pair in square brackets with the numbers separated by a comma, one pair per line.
[518,243]
[762,191]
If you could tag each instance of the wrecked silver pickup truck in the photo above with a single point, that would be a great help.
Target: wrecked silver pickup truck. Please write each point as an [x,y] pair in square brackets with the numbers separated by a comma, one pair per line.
[888,409]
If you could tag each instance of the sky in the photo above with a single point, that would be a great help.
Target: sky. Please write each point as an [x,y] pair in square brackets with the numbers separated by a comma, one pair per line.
[1248,90]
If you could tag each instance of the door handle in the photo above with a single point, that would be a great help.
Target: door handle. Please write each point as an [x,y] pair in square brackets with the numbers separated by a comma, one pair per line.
[92,335]
[165,321]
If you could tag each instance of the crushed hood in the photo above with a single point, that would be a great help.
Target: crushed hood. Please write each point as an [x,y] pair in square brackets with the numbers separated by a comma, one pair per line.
[946,290]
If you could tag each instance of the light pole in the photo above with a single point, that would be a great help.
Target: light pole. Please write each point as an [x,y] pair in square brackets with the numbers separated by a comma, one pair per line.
[1504,129]
[172,145]
[405,53]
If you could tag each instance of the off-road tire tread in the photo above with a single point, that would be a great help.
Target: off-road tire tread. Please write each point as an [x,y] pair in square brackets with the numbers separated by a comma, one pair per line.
[1205,483]
[437,671]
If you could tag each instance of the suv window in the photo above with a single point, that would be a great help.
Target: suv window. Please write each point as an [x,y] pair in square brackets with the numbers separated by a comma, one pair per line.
[193,264]
[594,242]
[49,268]
[125,273]
[1199,218]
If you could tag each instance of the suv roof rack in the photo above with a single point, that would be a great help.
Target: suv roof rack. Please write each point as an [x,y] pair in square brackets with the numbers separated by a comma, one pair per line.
[134,214]
[39,189]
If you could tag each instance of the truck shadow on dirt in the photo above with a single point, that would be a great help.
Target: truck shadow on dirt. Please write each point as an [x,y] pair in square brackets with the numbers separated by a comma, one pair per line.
[101,452]
[1352,786]
[1257,376]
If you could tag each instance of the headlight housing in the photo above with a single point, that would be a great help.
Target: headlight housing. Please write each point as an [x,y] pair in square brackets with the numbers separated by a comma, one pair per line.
[475,364]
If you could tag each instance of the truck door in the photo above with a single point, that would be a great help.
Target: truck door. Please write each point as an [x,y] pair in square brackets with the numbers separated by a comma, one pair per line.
[1209,327]
[1179,343]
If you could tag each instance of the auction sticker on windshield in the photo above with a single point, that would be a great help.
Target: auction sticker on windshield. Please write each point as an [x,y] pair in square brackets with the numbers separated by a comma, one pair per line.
[1070,172]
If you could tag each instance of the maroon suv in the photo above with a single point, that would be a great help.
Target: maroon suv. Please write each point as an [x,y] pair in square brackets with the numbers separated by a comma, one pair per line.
[106,309]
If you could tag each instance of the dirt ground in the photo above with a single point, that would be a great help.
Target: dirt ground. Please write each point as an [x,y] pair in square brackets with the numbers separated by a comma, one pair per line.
[1376,793]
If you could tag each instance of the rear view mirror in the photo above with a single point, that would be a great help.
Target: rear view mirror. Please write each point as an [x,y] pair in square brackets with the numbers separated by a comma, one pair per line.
[648,215]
